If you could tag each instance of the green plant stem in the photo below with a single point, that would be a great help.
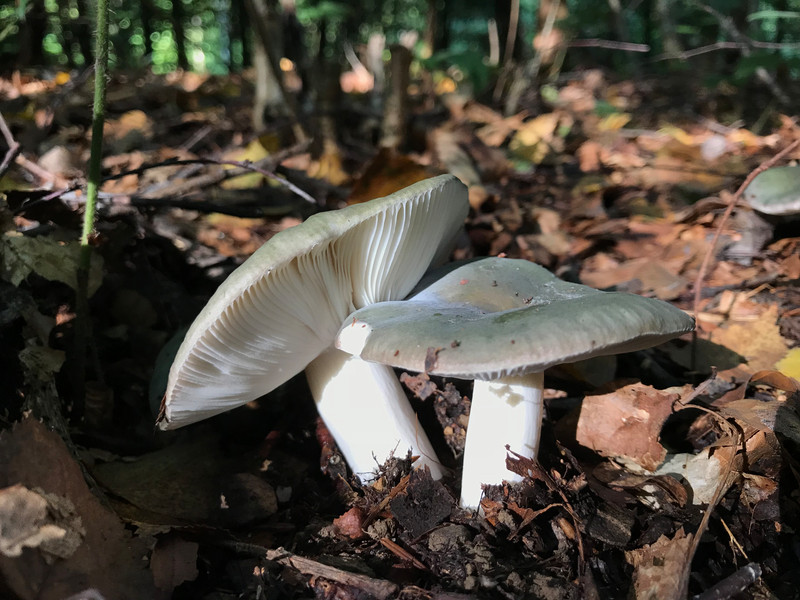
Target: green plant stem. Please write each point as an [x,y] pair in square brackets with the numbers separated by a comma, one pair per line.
[93,184]
[98,117]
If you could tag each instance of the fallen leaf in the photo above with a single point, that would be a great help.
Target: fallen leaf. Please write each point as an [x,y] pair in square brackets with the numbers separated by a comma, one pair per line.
[351,523]
[24,521]
[658,567]
[21,255]
[789,365]
[174,560]
[626,424]
[759,341]
[423,504]
[109,557]
[536,139]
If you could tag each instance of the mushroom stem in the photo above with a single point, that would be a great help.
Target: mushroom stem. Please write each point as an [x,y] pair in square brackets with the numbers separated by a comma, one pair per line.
[367,412]
[505,411]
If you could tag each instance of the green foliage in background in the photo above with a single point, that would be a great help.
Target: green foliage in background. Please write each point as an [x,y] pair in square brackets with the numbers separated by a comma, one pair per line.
[144,34]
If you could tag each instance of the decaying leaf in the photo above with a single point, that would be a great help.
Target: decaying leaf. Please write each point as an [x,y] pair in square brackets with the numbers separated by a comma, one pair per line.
[758,340]
[24,521]
[174,560]
[108,556]
[658,567]
[626,424]
[21,255]
[41,362]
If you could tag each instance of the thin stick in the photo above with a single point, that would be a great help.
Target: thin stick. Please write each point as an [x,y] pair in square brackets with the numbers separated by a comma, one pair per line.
[13,146]
[609,45]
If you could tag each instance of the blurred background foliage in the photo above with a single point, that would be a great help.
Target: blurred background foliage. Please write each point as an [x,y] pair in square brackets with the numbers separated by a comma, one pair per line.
[720,40]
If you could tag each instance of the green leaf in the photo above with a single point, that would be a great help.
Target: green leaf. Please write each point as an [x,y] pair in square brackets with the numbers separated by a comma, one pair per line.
[22,255]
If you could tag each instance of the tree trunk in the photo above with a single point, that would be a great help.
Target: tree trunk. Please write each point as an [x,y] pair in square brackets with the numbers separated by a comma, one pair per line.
[178,15]
[146,12]
[270,90]
[395,109]
[32,32]
[238,34]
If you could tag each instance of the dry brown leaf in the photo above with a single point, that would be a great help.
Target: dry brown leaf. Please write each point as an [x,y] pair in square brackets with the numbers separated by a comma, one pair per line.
[626,424]
[652,275]
[351,524]
[109,557]
[174,560]
[24,521]
[453,157]
[657,567]
[386,173]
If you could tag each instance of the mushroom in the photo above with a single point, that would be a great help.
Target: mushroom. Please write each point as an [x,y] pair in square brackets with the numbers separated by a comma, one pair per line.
[775,191]
[502,322]
[278,314]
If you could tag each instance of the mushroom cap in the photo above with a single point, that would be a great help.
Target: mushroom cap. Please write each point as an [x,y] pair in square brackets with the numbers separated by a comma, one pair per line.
[282,307]
[775,191]
[496,317]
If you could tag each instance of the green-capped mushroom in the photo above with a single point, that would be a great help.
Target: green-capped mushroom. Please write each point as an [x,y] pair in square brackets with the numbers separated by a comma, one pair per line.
[502,322]
[776,191]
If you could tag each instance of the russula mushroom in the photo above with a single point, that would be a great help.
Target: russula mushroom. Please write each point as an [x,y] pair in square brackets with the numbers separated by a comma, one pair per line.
[502,322]
[775,191]
[278,314]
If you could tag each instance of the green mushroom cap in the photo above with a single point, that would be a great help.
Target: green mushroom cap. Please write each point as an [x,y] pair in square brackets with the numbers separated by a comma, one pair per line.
[496,317]
[776,191]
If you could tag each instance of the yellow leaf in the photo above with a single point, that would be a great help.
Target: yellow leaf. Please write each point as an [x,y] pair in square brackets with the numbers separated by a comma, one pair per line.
[614,122]
[254,152]
[759,340]
[790,364]
[534,139]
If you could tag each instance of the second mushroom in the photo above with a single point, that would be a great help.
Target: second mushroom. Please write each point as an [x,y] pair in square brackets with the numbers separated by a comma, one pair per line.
[502,322]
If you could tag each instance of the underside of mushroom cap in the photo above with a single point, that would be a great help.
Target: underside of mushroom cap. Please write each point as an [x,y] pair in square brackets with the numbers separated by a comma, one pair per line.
[282,307]
[496,317]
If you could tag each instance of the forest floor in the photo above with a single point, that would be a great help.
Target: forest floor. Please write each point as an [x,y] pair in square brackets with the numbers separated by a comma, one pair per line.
[662,472]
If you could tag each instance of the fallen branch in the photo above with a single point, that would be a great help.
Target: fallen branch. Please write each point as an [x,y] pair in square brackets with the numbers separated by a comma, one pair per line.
[377,588]
[13,146]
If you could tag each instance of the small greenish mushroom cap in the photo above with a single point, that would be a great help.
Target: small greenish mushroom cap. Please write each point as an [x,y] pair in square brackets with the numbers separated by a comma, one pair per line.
[776,191]
[282,307]
[498,317]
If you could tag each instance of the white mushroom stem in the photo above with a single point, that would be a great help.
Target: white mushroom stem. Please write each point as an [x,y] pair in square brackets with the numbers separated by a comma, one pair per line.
[367,412]
[506,411]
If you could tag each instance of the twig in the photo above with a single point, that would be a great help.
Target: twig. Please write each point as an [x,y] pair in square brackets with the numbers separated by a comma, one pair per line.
[377,588]
[733,584]
[13,146]
[513,26]
[609,45]
[248,166]
[201,181]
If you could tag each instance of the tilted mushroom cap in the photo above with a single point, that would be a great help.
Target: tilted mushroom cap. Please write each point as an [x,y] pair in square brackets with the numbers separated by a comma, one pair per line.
[776,191]
[495,317]
[282,307]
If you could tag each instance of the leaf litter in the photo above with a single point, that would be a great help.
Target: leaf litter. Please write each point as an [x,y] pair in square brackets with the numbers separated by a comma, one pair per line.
[661,472]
